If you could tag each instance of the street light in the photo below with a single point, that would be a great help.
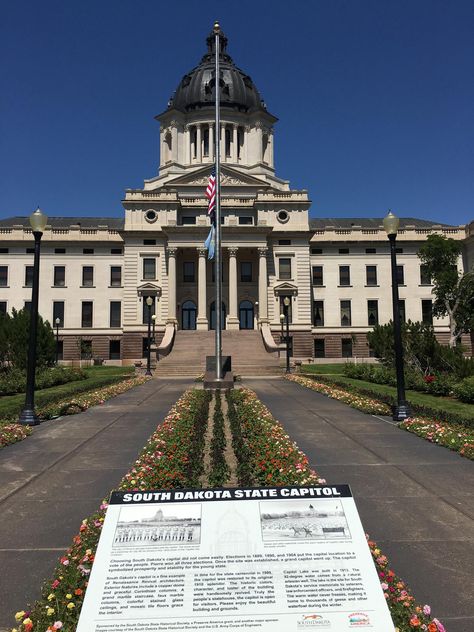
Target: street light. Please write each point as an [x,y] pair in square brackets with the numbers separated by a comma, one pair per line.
[28,416]
[57,322]
[149,303]
[286,305]
[401,410]
[153,320]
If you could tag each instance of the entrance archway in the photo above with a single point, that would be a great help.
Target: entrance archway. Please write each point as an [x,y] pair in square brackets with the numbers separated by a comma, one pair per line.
[246,315]
[212,319]
[188,315]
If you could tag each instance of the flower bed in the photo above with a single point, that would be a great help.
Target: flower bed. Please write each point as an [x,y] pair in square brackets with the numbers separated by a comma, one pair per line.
[455,437]
[172,458]
[360,402]
[12,433]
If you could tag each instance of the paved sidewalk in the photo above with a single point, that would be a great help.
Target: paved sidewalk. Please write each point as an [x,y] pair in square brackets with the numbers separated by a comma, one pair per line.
[415,499]
[59,475]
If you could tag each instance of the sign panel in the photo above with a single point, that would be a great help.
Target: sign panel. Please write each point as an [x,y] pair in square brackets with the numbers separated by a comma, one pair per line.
[278,559]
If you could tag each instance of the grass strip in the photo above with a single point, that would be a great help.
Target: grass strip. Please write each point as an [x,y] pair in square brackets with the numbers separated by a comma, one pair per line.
[276,460]
[172,458]
[219,469]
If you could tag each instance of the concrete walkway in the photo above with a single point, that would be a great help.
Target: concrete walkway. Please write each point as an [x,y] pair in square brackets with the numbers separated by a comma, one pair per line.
[54,479]
[415,499]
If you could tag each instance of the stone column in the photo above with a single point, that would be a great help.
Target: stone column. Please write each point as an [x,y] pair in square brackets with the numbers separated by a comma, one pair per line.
[211,142]
[201,322]
[174,141]
[234,143]
[187,145]
[262,284]
[172,285]
[198,143]
[232,318]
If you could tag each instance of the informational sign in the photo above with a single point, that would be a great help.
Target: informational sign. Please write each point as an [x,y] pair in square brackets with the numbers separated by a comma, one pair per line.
[277,559]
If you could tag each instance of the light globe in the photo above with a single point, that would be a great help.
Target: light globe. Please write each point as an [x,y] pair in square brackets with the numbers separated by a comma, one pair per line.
[38,221]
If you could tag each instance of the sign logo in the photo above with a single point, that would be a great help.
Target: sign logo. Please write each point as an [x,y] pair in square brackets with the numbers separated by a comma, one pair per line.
[359,619]
[309,621]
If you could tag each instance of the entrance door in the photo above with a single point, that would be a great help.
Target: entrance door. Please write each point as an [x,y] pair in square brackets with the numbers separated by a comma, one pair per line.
[246,315]
[212,319]
[189,315]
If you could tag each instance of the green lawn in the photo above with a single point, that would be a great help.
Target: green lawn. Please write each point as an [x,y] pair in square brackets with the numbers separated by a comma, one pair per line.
[443,404]
[97,377]
[323,369]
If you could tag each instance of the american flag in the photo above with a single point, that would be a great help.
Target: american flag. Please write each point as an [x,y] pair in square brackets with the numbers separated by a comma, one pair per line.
[211,196]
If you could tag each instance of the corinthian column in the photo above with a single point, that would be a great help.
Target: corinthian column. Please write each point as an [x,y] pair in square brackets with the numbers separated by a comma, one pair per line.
[232,318]
[199,143]
[171,285]
[201,322]
[262,284]
[235,140]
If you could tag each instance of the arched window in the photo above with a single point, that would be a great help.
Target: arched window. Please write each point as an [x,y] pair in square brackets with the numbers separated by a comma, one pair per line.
[246,315]
[168,145]
[188,311]
[240,142]
[194,142]
[228,141]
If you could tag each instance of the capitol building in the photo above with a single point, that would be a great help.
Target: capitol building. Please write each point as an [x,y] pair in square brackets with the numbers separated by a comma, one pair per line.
[96,272]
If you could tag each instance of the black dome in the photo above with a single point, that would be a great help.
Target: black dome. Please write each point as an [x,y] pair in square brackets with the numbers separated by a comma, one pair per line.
[197,88]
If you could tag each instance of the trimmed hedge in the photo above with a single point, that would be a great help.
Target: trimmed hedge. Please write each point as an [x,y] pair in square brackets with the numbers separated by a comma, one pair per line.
[464,390]
[13,381]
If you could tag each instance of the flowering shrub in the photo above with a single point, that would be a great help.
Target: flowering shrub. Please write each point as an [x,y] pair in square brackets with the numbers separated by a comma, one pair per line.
[455,437]
[170,459]
[361,402]
[11,433]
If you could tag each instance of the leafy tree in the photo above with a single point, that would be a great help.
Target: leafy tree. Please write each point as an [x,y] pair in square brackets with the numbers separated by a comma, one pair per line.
[16,331]
[454,291]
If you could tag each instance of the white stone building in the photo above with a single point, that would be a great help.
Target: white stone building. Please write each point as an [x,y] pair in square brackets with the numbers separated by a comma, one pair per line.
[96,271]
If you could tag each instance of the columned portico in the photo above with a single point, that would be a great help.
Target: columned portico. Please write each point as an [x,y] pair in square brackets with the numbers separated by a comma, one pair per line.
[202,322]
[262,284]
[232,318]
[172,285]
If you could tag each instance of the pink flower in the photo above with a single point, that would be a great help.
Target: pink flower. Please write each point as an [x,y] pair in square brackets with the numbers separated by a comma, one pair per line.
[426,610]
[441,627]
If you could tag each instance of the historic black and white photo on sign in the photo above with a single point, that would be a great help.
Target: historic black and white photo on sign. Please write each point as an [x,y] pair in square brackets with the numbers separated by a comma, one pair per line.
[161,524]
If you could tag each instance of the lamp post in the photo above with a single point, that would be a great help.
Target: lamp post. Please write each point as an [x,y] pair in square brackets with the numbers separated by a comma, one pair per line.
[401,410]
[28,416]
[153,320]
[57,323]
[149,303]
[286,305]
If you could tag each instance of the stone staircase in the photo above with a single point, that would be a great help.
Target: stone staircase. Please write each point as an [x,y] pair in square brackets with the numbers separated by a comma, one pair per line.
[188,356]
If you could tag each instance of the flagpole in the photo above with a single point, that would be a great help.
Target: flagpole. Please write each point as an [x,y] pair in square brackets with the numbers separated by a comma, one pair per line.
[218,260]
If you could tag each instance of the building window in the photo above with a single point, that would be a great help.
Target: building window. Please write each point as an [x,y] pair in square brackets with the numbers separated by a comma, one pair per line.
[370,251]
[3,276]
[116,276]
[316,251]
[116,251]
[114,349]
[284,242]
[145,310]
[3,307]
[373,313]
[371,275]
[87,276]
[31,251]
[318,313]
[149,242]
[346,347]
[188,220]
[27,306]
[228,141]
[343,251]
[400,275]
[59,276]
[58,312]
[4,251]
[425,278]
[427,311]
[246,271]
[245,220]
[205,141]
[188,272]
[284,267]
[86,316]
[58,251]
[319,348]
[115,313]
[289,308]
[29,276]
[88,251]
[346,314]
[149,269]
[318,275]
[401,305]
[344,275]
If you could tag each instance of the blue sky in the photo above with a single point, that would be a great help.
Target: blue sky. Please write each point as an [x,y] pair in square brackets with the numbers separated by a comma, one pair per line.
[374,99]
